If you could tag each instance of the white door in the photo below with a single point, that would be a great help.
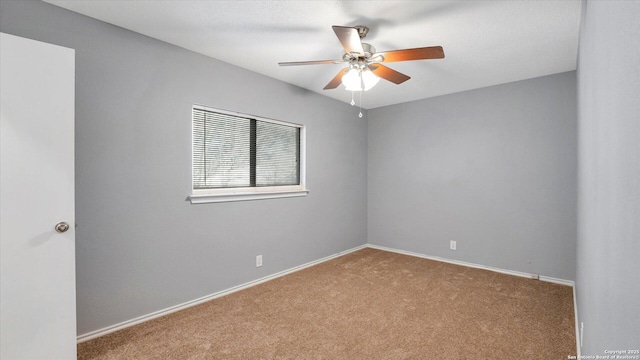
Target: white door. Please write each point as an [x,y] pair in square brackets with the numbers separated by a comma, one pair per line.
[37,263]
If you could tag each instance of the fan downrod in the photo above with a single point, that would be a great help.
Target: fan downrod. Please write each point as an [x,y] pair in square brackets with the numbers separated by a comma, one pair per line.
[362,31]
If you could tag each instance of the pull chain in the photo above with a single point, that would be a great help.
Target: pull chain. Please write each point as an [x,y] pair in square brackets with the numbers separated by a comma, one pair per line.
[352,102]
[360,114]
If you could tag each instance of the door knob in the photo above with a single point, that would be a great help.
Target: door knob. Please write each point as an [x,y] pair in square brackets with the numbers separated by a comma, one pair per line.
[61,227]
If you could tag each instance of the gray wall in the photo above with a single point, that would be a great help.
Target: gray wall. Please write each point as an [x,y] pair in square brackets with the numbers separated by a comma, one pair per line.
[608,251]
[493,169]
[140,246]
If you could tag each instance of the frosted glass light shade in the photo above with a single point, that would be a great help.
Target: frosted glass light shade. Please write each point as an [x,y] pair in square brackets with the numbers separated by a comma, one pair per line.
[351,80]
[356,79]
[369,79]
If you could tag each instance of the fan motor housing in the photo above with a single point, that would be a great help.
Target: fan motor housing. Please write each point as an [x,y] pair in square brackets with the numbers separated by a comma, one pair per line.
[368,49]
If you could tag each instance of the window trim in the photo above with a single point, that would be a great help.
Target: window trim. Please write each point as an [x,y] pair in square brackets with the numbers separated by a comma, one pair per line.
[202,196]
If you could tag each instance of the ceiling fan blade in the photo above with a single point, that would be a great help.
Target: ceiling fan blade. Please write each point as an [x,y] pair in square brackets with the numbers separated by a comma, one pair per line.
[424,53]
[349,39]
[388,73]
[314,62]
[337,80]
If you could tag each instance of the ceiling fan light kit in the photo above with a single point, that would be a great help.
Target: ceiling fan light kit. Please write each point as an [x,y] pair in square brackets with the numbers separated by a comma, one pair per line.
[357,79]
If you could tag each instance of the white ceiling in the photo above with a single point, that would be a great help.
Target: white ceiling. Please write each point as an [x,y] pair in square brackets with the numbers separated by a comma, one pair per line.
[485,42]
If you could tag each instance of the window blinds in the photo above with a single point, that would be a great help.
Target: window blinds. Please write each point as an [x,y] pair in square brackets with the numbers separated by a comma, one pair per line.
[234,151]
[277,153]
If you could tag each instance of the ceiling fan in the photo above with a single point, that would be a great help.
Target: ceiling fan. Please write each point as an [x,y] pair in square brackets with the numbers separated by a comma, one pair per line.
[365,68]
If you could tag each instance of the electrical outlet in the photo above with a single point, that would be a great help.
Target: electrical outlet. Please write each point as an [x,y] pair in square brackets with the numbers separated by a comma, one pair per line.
[452,245]
[258,260]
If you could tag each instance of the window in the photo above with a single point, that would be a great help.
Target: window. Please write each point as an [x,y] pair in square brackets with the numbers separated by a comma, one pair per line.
[242,157]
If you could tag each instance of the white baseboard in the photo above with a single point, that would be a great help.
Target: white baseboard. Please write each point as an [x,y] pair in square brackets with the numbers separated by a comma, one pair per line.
[188,304]
[477,266]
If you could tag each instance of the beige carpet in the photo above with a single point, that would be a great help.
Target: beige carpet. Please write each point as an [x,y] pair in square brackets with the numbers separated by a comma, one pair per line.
[369,304]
